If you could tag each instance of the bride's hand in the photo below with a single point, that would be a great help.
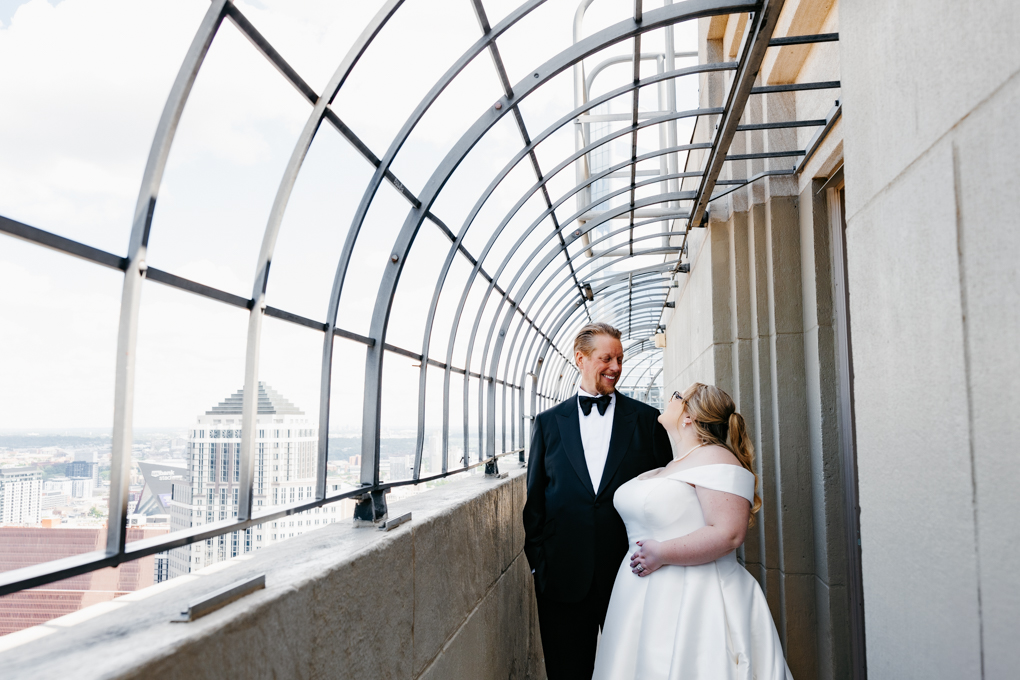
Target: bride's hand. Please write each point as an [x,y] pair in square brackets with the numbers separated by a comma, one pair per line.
[647,559]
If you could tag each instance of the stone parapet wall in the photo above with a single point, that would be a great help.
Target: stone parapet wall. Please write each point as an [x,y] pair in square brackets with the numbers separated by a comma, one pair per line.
[932,181]
[447,596]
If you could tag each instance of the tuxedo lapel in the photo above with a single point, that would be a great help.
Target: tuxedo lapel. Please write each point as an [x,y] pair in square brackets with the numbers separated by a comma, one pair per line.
[570,439]
[624,420]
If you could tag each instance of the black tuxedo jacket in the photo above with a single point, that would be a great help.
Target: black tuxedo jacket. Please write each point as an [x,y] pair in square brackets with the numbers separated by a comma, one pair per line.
[573,534]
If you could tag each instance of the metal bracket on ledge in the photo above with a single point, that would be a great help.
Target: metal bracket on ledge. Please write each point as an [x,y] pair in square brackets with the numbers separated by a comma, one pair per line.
[492,468]
[221,598]
[396,522]
[371,510]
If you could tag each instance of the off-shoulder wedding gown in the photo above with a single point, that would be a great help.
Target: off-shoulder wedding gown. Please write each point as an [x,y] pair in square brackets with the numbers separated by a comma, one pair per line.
[708,622]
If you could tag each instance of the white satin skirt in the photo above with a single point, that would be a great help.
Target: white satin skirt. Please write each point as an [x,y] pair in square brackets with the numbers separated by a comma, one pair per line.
[709,622]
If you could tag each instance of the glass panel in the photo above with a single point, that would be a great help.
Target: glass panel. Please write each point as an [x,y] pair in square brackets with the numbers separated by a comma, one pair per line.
[489,324]
[476,171]
[455,456]
[409,60]
[518,224]
[78,175]
[499,203]
[57,351]
[287,431]
[525,252]
[536,38]
[474,432]
[432,452]
[496,10]
[551,153]
[474,89]
[501,443]
[399,420]
[545,105]
[315,225]
[186,458]
[471,306]
[545,259]
[346,401]
[233,142]
[417,281]
[313,37]
[371,255]
[507,348]
[456,282]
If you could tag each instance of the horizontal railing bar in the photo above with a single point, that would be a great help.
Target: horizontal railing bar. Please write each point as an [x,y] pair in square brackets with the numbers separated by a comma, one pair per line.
[420,480]
[766,154]
[781,125]
[71,247]
[401,351]
[796,87]
[804,39]
[65,245]
[354,336]
[461,371]
[57,570]
[363,149]
[816,141]
[295,318]
[749,180]
[417,357]
[180,283]
[270,53]
[311,95]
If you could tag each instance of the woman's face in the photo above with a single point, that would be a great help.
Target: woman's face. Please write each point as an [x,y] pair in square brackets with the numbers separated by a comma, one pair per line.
[673,412]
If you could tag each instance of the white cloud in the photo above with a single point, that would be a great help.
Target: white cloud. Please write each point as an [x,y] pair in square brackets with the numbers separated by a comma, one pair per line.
[83,88]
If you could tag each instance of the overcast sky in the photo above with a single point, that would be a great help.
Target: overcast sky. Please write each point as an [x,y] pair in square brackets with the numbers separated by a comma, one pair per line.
[82,87]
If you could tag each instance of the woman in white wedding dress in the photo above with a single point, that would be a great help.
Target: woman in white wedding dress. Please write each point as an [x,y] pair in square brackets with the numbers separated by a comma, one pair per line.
[682,607]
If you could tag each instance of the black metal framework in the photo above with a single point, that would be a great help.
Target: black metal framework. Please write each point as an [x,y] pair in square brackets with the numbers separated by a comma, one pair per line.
[562,270]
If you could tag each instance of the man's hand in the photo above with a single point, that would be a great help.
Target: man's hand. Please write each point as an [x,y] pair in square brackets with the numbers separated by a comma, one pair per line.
[647,559]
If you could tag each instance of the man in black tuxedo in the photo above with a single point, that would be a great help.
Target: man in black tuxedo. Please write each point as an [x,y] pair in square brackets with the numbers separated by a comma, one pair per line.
[582,450]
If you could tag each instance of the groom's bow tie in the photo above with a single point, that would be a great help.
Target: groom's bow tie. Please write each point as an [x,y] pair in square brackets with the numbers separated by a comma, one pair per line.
[602,402]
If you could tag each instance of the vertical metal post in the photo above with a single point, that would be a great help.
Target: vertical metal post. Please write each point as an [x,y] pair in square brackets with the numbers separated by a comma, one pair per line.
[134,274]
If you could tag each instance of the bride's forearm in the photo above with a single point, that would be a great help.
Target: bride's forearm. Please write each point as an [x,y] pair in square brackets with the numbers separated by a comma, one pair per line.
[705,545]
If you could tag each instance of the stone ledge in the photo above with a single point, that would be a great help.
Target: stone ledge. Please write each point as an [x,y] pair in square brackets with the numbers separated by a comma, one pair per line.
[339,602]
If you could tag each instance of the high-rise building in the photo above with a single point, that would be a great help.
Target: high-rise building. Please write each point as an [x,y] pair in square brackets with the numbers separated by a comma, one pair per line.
[25,546]
[84,478]
[284,474]
[20,496]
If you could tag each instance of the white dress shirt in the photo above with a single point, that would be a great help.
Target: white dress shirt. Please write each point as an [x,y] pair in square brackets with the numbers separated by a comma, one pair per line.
[596,431]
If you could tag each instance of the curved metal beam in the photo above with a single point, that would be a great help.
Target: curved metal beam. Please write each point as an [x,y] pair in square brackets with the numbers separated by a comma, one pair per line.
[134,274]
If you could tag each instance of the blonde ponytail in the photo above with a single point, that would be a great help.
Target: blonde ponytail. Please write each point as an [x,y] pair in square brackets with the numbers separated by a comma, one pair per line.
[716,421]
[740,445]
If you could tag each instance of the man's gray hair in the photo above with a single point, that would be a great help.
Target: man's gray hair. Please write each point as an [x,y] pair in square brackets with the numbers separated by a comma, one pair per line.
[585,340]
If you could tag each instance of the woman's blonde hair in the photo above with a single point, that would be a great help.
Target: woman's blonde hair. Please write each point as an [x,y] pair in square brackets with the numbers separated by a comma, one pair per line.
[716,421]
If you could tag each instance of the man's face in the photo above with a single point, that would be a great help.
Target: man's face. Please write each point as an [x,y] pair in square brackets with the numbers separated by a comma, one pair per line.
[601,370]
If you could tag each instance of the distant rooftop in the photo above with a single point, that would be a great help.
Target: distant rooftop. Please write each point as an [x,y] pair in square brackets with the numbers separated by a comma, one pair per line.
[19,471]
[270,401]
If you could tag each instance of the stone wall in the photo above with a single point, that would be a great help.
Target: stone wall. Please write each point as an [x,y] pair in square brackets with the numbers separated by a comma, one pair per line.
[448,596]
[932,180]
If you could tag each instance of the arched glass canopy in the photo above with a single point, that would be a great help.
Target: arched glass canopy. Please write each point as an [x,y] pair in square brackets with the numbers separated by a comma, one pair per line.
[564,195]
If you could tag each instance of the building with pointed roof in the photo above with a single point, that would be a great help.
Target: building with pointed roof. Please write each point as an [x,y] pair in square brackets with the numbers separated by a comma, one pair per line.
[208,491]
